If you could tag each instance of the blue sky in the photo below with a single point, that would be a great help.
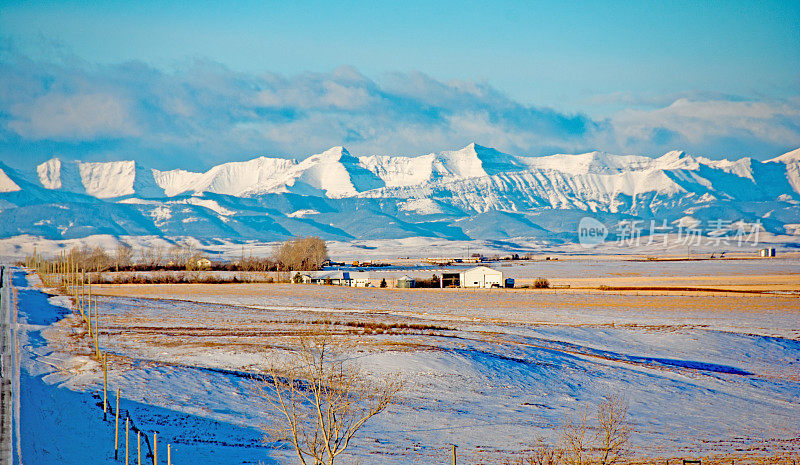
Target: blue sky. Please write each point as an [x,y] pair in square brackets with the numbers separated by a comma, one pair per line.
[290,78]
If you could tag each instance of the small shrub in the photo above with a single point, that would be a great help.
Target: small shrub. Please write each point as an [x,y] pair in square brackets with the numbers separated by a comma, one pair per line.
[541,283]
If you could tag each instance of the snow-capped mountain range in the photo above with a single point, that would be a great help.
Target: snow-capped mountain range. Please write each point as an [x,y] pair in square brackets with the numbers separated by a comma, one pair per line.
[472,193]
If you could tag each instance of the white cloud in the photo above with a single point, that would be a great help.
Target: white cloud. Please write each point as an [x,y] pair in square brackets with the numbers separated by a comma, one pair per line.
[700,123]
[209,114]
[72,117]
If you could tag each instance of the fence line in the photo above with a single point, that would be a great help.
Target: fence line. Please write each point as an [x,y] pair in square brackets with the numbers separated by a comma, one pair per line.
[64,275]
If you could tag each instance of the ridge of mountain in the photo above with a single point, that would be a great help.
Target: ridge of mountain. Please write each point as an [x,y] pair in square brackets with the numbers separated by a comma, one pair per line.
[336,194]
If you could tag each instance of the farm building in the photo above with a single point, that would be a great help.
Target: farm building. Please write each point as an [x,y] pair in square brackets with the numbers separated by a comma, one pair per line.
[360,279]
[481,276]
[334,277]
[405,282]
[337,278]
[450,279]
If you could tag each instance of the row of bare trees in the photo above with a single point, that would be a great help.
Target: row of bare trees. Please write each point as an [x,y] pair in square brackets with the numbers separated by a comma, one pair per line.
[97,259]
[123,257]
[303,253]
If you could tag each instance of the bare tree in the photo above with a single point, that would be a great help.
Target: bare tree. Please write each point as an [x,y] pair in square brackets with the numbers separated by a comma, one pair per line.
[91,259]
[611,434]
[123,256]
[302,253]
[151,256]
[319,400]
[614,429]
[541,454]
[185,255]
[576,441]
[545,454]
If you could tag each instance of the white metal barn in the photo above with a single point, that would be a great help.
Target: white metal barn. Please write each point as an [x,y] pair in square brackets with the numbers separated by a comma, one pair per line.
[481,276]
[360,279]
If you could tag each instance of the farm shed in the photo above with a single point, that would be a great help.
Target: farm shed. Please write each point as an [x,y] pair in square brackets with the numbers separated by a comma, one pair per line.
[481,276]
[336,278]
[360,279]
[450,279]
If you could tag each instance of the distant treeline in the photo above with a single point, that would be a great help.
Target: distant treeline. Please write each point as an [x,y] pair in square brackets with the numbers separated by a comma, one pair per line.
[302,253]
[178,278]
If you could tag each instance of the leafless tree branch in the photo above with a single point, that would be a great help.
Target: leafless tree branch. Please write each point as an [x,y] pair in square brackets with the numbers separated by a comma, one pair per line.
[319,400]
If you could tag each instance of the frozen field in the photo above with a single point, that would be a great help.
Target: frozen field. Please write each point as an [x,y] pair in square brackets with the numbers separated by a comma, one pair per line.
[781,275]
[487,370]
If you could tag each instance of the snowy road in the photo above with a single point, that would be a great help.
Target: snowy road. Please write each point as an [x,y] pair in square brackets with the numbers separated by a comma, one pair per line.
[8,373]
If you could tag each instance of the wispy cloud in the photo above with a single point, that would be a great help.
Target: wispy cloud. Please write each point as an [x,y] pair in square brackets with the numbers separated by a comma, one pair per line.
[733,128]
[204,113]
[63,117]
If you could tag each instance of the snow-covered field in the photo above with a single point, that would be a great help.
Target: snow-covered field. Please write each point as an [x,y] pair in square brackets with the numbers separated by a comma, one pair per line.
[488,370]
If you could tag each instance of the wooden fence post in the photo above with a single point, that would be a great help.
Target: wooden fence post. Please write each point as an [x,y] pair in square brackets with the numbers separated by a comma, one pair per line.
[139,446]
[81,289]
[89,321]
[105,385]
[96,342]
[169,454]
[127,429]
[116,428]
[91,333]
[77,299]
[96,329]
[454,454]
[155,448]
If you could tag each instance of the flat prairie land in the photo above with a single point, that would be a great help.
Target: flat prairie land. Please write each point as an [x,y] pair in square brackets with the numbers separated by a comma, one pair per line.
[764,314]
[705,374]
[753,283]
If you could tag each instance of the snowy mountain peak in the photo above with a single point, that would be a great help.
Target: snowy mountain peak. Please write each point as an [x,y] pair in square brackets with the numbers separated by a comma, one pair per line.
[333,153]
[6,183]
[333,172]
[99,179]
[473,161]
[676,159]
[588,163]
[674,155]
[788,157]
[234,178]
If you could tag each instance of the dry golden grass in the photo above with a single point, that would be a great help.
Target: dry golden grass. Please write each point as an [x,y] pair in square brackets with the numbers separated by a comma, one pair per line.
[764,283]
[507,304]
